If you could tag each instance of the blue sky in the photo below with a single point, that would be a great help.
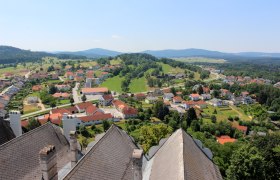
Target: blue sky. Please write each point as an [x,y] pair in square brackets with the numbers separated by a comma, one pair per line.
[130,25]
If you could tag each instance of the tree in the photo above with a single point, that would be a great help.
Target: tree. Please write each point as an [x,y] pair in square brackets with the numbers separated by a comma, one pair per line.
[52,89]
[160,110]
[191,115]
[53,104]
[84,98]
[246,163]
[72,101]
[106,125]
[32,124]
[173,91]
[213,119]
[150,135]
[200,89]
[191,75]
[216,93]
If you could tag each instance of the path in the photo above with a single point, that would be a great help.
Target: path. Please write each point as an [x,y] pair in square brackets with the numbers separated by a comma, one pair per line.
[75,93]
[41,104]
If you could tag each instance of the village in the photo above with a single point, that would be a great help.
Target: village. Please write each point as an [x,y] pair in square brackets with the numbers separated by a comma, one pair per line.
[54,93]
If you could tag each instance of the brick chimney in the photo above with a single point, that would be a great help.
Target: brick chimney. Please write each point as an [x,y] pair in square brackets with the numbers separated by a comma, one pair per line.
[73,148]
[137,164]
[48,163]
[15,122]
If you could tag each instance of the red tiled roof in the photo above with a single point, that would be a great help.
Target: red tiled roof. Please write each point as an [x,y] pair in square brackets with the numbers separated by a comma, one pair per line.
[58,95]
[84,105]
[167,90]
[179,93]
[71,109]
[60,111]
[96,117]
[54,118]
[224,90]
[225,139]
[24,123]
[240,128]
[119,104]
[177,98]
[189,102]
[140,95]
[36,88]
[91,109]
[194,95]
[69,73]
[95,90]
[130,111]
[201,102]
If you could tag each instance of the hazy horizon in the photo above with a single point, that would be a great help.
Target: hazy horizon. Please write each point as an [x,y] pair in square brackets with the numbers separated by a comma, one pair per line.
[133,26]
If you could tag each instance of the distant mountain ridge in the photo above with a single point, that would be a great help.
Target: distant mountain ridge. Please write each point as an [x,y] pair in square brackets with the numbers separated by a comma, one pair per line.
[173,53]
[94,53]
[9,54]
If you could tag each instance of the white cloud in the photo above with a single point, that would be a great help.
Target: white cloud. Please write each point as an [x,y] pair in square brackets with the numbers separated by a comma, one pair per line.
[116,36]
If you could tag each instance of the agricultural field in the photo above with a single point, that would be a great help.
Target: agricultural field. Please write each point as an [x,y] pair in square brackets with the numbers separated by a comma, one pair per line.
[87,64]
[200,60]
[224,112]
[166,68]
[113,84]
[115,61]
[138,85]
[30,108]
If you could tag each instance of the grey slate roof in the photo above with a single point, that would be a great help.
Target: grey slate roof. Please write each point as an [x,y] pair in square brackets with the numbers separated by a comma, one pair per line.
[180,158]
[19,158]
[109,159]
[6,133]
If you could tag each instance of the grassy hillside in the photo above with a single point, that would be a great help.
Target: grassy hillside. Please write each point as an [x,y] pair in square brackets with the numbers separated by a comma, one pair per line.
[113,84]
[138,85]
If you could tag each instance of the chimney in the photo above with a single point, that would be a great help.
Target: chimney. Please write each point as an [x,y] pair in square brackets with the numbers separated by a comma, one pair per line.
[137,164]
[15,122]
[48,163]
[69,124]
[73,148]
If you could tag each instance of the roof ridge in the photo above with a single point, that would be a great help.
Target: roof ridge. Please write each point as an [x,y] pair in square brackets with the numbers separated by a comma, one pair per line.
[25,134]
[80,162]
[201,149]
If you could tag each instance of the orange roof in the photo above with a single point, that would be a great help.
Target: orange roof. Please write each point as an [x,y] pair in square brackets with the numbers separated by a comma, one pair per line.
[130,111]
[240,128]
[189,102]
[91,109]
[95,90]
[166,90]
[84,105]
[177,98]
[36,88]
[96,117]
[24,123]
[119,104]
[194,95]
[58,95]
[60,111]
[140,95]
[179,93]
[54,118]
[225,139]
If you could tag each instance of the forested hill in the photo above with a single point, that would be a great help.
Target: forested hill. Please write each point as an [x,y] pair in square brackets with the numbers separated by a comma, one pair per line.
[9,54]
